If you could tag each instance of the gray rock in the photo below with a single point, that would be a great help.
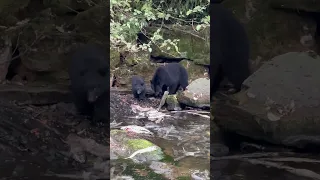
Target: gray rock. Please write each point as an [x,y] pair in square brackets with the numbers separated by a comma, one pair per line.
[197,94]
[281,104]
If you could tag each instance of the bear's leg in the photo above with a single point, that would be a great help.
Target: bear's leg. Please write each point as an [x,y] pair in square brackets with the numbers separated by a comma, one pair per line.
[237,76]
[83,106]
[217,78]
[173,89]
[142,95]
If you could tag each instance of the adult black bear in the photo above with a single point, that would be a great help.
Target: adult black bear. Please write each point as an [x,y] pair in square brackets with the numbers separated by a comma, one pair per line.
[89,76]
[169,77]
[138,87]
[229,49]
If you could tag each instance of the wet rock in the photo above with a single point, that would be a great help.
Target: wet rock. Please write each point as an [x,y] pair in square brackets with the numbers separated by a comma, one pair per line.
[281,104]
[120,105]
[217,146]
[198,175]
[141,144]
[162,168]
[36,95]
[217,150]
[133,148]
[197,94]
[172,103]
[78,147]
[128,170]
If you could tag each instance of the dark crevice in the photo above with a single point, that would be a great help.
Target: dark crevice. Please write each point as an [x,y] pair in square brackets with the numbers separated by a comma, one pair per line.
[14,64]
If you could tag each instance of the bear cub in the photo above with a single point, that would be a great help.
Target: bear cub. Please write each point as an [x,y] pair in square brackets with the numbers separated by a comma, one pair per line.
[170,77]
[138,87]
[89,76]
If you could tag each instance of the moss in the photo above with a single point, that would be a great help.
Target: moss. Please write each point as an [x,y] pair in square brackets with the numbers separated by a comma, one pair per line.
[200,49]
[137,144]
[116,131]
[169,159]
[172,99]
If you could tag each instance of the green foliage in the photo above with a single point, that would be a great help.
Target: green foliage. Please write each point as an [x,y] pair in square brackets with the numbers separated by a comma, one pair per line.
[128,17]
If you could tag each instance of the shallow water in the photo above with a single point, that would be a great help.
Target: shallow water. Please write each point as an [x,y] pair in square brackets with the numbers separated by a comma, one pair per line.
[238,170]
[278,166]
[191,135]
[184,137]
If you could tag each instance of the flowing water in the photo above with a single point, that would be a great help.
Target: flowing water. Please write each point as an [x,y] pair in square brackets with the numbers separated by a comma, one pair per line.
[184,139]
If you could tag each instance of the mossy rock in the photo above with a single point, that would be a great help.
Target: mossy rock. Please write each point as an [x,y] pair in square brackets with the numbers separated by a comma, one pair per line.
[200,49]
[136,144]
[172,103]
[194,71]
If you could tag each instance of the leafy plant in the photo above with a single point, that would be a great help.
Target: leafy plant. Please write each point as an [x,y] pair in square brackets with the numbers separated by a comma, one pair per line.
[128,17]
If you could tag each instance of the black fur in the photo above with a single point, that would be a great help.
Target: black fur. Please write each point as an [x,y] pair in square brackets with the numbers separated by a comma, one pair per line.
[169,77]
[163,59]
[215,1]
[142,38]
[138,87]
[89,76]
[229,49]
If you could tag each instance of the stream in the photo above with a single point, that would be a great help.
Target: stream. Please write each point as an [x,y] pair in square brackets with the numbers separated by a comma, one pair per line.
[183,139]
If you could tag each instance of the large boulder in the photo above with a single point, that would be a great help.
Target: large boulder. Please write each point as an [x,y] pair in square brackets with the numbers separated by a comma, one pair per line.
[281,104]
[193,45]
[197,94]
